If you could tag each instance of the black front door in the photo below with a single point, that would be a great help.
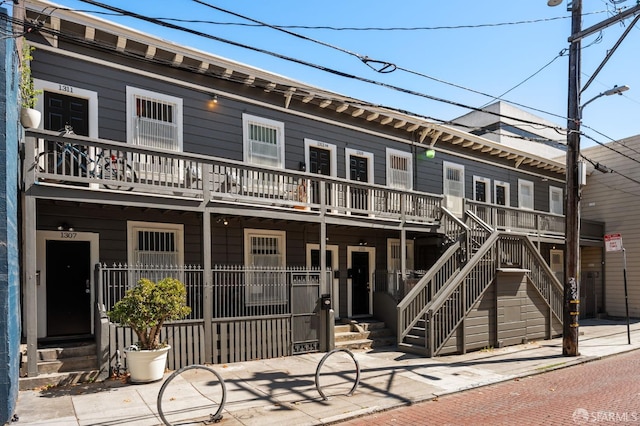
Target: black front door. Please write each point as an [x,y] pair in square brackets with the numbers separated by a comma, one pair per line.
[319,163]
[358,171]
[68,288]
[61,110]
[360,283]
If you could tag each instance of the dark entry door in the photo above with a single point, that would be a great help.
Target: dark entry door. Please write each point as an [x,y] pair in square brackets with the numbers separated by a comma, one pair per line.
[358,171]
[360,283]
[319,163]
[61,110]
[68,288]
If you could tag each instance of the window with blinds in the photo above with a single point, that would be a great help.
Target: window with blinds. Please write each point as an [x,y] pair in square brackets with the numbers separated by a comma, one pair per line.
[453,187]
[525,194]
[556,202]
[155,244]
[399,167]
[263,141]
[266,281]
[155,121]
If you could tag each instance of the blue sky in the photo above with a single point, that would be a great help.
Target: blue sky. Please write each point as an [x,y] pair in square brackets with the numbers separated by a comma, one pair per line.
[490,59]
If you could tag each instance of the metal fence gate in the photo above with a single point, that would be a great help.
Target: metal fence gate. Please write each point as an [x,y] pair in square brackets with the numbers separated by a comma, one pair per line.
[305,312]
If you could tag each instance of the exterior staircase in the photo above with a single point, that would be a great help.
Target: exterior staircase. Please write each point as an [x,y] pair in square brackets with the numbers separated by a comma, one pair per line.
[363,334]
[60,365]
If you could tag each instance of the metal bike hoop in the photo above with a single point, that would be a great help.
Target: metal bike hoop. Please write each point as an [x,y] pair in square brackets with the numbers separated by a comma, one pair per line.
[321,363]
[213,417]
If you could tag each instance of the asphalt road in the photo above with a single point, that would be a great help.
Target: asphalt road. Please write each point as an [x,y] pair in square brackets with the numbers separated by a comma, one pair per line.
[601,392]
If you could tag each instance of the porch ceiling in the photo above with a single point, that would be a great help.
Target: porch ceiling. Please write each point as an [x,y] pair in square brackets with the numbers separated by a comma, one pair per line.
[86,29]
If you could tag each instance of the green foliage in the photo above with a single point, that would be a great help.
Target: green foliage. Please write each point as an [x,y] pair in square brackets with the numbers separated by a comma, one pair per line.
[28,93]
[148,305]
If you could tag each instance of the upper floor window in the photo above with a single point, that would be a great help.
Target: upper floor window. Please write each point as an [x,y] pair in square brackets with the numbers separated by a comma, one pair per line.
[154,120]
[453,186]
[263,141]
[555,200]
[525,194]
[399,167]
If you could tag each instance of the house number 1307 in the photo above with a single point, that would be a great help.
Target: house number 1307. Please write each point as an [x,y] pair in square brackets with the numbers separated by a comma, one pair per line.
[65,88]
[68,235]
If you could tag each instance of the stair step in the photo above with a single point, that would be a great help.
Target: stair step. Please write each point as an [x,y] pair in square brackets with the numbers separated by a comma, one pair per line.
[58,379]
[413,349]
[415,340]
[53,353]
[342,328]
[89,362]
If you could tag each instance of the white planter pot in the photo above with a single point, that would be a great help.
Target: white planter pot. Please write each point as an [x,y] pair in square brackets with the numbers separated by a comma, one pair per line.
[146,366]
[30,118]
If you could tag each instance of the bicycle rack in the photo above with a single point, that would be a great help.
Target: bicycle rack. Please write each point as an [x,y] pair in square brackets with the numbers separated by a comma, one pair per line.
[321,363]
[212,417]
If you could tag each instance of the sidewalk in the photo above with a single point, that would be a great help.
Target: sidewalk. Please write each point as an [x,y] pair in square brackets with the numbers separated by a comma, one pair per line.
[282,391]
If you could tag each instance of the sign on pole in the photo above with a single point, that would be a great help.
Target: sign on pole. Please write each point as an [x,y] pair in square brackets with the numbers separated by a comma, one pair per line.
[613,242]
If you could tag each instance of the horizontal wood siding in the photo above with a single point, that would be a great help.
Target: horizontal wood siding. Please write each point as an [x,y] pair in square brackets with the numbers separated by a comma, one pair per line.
[218,131]
[613,199]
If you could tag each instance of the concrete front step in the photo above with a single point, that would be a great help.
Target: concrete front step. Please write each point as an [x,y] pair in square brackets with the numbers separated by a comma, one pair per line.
[61,364]
[363,334]
[43,381]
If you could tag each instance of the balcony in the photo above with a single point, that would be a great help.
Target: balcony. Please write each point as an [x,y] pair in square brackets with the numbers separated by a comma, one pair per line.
[112,168]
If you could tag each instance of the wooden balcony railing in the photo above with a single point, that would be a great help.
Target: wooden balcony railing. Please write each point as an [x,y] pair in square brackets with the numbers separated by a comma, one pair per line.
[72,160]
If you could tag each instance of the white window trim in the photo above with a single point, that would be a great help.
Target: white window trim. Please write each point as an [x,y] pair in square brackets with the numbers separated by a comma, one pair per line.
[134,226]
[333,149]
[404,154]
[487,182]
[280,235]
[521,184]
[134,91]
[248,119]
[448,165]
[91,96]
[560,191]
[507,192]
[348,152]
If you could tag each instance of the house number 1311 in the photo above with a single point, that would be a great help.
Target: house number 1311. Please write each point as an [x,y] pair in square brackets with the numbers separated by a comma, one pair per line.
[65,88]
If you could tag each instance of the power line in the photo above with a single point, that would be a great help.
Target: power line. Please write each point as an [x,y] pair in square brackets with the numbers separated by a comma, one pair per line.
[334,28]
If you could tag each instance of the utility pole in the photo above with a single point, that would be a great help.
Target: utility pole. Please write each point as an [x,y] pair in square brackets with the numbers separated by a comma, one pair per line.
[571,305]
[571,309]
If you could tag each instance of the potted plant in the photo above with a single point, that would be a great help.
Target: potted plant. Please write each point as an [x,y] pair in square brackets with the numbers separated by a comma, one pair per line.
[145,308]
[29,116]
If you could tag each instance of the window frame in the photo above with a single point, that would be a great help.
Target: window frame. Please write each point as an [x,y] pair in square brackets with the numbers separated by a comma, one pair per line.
[401,154]
[282,243]
[248,119]
[523,183]
[133,92]
[133,227]
[552,190]
[445,166]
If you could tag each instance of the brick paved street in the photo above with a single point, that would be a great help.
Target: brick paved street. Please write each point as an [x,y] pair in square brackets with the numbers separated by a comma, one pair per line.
[605,391]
